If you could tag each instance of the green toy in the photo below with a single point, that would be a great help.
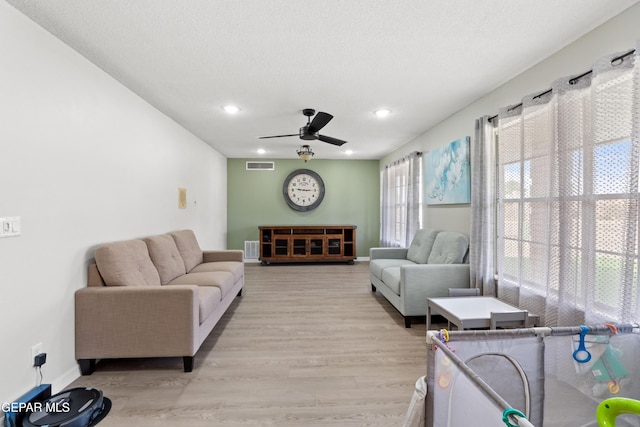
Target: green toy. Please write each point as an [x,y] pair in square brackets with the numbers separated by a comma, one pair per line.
[609,409]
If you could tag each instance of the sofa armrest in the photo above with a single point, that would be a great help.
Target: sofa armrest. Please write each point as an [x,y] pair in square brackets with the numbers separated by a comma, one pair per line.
[422,281]
[388,253]
[223,255]
[136,321]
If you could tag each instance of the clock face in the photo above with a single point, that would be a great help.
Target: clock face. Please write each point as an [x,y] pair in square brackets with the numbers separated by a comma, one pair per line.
[303,190]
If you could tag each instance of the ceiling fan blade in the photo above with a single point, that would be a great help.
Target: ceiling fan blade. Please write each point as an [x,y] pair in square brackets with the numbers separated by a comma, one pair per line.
[319,121]
[334,141]
[277,136]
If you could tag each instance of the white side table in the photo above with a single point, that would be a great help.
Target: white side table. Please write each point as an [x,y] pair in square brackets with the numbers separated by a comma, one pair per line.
[471,312]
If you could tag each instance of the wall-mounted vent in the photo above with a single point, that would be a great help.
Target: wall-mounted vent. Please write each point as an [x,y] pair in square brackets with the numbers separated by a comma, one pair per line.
[251,249]
[260,166]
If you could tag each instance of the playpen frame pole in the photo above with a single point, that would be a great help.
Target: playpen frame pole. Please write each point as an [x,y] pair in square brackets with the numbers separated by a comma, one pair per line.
[433,339]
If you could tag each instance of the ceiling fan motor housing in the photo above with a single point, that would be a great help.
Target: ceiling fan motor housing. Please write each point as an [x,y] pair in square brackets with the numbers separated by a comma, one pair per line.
[307,135]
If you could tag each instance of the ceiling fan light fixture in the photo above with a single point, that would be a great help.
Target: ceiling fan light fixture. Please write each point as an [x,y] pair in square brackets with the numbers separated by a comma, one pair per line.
[305,153]
[382,113]
[231,109]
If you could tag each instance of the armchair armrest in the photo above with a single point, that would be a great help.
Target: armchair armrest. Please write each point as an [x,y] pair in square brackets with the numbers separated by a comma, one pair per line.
[422,281]
[388,253]
[136,321]
[223,255]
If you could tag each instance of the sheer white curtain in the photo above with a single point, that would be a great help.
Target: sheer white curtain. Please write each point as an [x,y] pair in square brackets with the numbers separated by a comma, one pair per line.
[482,263]
[568,163]
[401,201]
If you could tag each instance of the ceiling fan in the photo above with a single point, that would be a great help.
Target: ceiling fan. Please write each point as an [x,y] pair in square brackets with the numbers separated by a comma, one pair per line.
[309,132]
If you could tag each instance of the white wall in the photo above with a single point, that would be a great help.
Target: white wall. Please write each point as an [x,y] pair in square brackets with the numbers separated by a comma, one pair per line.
[617,35]
[83,160]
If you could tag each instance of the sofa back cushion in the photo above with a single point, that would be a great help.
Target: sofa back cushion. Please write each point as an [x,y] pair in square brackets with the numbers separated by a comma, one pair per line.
[188,247]
[165,256]
[126,263]
[421,245]
[449,248]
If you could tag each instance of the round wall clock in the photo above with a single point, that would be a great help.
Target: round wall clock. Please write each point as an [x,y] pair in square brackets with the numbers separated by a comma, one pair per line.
[303,190]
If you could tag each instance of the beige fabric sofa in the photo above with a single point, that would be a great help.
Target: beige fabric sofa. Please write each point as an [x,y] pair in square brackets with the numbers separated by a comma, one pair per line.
[154,297]
[434,262]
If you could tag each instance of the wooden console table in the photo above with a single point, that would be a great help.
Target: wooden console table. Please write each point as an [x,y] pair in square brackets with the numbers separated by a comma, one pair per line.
[307,243]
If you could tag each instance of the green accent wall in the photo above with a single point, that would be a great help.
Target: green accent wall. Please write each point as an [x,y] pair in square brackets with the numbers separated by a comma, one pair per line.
[352,197]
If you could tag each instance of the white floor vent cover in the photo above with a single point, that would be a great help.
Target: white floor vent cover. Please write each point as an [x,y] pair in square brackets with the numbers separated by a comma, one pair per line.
[251,249]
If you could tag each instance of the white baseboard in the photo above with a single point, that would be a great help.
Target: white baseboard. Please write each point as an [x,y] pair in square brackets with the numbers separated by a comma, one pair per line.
[65,379]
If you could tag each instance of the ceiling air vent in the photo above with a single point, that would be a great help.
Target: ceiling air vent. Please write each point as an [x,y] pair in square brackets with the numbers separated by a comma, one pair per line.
[260,166]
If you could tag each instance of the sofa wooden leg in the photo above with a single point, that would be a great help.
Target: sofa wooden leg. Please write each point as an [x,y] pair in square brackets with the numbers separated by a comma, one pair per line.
[373,288]
[239,293]
[188,363]
[407,322]
[87,366]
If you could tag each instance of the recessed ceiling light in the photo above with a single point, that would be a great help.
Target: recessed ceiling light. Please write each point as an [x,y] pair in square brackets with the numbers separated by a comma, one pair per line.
[348,152]
[231,109]
[261,151]
[382,113]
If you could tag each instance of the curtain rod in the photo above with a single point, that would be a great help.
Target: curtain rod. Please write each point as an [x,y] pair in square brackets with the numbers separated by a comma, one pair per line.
[402,159]
[615,61]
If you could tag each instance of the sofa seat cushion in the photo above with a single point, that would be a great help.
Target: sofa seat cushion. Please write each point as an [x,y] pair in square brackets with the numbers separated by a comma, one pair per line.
[234,267]
[391,278]
[449,248]
[209,298]
[165,256]
[126,263]
[421,245]
[189,248]
[222,280]
[377,266]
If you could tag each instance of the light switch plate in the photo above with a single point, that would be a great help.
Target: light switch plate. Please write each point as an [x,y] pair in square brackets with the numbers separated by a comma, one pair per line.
[10,226]
[182,198]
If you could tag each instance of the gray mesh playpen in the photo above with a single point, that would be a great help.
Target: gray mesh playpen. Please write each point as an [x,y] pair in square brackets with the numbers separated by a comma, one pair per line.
[530,377]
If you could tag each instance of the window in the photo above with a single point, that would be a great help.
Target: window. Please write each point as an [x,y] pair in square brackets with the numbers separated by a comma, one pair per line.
[401,201]
[568,200]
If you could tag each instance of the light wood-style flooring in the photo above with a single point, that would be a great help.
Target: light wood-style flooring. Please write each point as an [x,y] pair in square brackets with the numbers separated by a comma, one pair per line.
[305,345]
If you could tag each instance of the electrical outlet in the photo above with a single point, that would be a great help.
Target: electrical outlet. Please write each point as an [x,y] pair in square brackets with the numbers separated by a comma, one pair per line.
[35,350]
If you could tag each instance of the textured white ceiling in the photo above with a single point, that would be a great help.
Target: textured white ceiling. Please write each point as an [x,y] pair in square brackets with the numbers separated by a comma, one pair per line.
[424,60]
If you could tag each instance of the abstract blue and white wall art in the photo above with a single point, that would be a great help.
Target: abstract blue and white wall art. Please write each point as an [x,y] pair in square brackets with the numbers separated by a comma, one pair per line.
[447,174]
